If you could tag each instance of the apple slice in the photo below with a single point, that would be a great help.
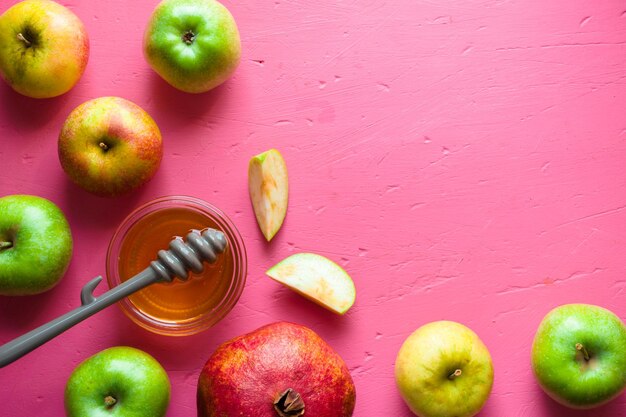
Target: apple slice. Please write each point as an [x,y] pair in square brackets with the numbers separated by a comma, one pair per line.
[269,190]
[317,278]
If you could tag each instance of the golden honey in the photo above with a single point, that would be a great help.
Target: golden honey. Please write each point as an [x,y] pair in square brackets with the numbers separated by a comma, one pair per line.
[179,307]
[179,300]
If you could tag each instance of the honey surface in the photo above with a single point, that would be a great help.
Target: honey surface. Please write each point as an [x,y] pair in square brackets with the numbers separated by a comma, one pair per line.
[177,301]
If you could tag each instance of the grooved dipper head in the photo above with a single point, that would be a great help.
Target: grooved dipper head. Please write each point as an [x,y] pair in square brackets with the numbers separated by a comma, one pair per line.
[190,254]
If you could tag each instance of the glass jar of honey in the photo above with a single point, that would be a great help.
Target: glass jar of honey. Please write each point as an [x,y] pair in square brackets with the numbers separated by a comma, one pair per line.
[181,307]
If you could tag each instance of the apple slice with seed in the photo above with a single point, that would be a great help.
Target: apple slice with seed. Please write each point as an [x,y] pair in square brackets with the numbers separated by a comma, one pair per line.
[269,191]
[317,278]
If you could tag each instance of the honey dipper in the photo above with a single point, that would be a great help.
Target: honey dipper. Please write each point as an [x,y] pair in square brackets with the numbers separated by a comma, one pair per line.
[182,257]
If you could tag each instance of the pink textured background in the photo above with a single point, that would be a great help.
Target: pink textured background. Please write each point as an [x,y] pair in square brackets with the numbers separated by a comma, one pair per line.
[463,160]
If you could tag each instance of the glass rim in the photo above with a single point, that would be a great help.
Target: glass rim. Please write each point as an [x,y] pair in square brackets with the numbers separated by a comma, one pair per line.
[238,250]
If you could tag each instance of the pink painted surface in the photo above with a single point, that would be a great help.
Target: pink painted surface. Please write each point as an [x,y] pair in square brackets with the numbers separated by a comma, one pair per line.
[463,160]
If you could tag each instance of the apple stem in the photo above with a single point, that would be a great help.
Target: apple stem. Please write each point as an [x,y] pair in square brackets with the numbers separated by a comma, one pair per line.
[581,348]
[109,401]
[23,39]
[457,373]
[188,37]
[6,245]
[104,146]
[289,404]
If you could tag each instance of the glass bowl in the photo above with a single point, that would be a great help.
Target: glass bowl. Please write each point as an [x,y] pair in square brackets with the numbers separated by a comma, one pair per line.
[178,308]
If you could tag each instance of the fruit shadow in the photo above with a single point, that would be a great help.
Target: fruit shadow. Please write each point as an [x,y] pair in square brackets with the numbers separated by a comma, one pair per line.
[276,247]
[293,307]
[21,314]
[553,409]
[397,403]
[174,353]
[88,211]
[29,113]
[179,107]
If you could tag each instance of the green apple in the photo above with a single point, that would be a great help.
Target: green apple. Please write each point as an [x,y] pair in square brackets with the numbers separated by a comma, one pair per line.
[317,278]
[35,245]
[118,382]
[192,44]
[44,48]
[110,146]
[579,355]
[443,369]
[269,191]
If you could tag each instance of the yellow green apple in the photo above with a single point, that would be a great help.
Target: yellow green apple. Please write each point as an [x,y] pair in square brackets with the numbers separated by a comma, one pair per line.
[192,44]
[443,369]
[44,48]
[110,146]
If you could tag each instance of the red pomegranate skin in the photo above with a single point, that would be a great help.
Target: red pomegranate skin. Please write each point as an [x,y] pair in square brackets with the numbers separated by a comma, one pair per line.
[247,374]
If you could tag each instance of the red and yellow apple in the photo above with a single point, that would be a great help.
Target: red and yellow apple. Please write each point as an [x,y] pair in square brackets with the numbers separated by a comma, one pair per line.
[279,370]
[110,146]
[44,48]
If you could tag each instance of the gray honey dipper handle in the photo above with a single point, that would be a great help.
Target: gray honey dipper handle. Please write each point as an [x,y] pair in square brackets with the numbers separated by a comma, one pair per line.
[173,263]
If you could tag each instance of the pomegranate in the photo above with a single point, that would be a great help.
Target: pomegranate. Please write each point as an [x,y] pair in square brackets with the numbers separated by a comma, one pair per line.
[279,370]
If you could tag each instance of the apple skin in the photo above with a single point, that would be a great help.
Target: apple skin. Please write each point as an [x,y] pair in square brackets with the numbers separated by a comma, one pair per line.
[110,146]
[563,372]
[134,382]
[35,245]
[213,51]
[247,374]
[58,52]
[425,369]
